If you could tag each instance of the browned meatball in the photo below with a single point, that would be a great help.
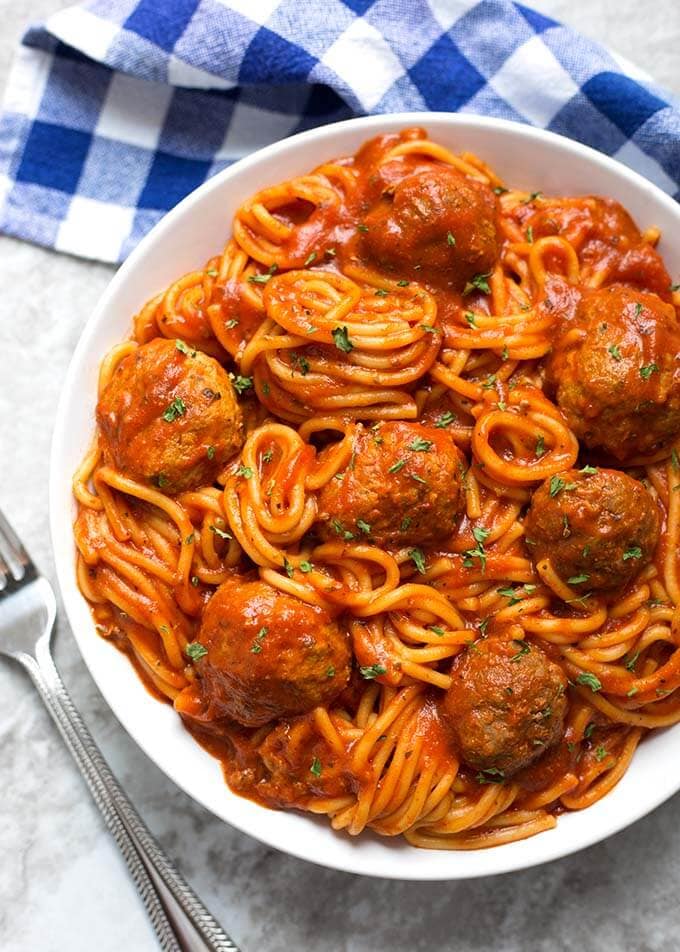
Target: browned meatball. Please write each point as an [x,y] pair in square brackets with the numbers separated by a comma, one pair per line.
[506,704]
[169,415]
[402,486]
[436,226]
[616,372]
[601,527]
[269,654]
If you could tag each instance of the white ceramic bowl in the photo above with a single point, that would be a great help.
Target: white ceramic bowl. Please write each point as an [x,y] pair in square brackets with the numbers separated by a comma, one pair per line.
[184,240]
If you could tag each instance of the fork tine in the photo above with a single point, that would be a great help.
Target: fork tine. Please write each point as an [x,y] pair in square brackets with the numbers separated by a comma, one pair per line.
[13,556]
[4,574]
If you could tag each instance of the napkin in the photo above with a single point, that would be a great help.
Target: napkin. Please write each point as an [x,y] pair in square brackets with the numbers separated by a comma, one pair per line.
[116,109]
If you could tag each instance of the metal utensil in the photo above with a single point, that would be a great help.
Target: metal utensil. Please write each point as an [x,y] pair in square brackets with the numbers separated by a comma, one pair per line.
[27,614]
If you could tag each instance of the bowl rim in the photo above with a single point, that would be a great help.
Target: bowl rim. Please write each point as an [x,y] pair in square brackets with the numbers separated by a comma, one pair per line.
[502,859]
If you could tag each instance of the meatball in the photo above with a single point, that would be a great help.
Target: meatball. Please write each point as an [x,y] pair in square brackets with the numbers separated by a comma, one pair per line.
[169,416]
[269,655]
[615,372]
[402,486]
[600,526]
[436,226]
[506,704]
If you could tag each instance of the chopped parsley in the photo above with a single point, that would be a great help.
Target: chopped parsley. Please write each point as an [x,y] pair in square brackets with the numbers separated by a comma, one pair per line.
[244,471]
[578,579]
[174,410]
[419,445]
[490,775]
[211,452]
[262,278]
[446,419]
[557,485]
[195,650]
[330,671]
[405,523]
[470,318]
[480,282]
[381,292]
[315,767]
[524,649]
[647,371]
[418,479]
[363,228]
[256,646]
[450,240]
[288,567]
[540,446]
[590,680]
[515,594]
[588,732]
[342,341]
[231,323]
[183,349]
[403,283]
[340,530]
[675,462]
[634,552]
[242,383]
[437,629]
[306,566]
[489,383]
[395,467]
[363,527]
[638,309]
[614,351]
[372,671]
[589,470]
[600,753]
[480,535]
[530,235]
[418,559]
[219,532]
[300,362]
[310,259]
[268,456]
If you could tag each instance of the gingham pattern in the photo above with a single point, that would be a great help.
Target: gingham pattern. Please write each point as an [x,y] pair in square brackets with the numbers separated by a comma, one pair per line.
[116,109]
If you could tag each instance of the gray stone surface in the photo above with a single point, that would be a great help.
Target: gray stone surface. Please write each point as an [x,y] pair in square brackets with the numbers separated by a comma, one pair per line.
[62,886]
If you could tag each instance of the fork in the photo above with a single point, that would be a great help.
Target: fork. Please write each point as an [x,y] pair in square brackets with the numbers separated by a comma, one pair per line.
[27,614]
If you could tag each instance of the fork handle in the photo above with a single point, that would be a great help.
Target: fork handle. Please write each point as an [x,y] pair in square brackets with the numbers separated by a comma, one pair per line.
[169,900]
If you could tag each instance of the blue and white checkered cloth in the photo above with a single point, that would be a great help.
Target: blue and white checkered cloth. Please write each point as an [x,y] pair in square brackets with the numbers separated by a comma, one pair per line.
[116,109]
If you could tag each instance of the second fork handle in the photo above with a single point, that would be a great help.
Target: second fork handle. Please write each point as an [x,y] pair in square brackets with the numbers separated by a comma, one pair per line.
[147,862]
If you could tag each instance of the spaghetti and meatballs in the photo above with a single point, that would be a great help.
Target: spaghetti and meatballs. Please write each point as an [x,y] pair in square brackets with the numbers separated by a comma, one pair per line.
[384,498]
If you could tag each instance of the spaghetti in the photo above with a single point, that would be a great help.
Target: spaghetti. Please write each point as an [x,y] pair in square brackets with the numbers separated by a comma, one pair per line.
[348,486]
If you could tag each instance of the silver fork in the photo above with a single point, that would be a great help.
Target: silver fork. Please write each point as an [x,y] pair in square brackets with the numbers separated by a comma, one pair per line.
[27,614]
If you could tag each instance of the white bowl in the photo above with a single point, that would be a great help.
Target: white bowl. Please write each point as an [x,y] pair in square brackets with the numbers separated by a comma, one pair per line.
[192,232]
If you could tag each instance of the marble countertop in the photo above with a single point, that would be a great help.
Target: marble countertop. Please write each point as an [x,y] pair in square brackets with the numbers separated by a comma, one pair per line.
[63,887]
